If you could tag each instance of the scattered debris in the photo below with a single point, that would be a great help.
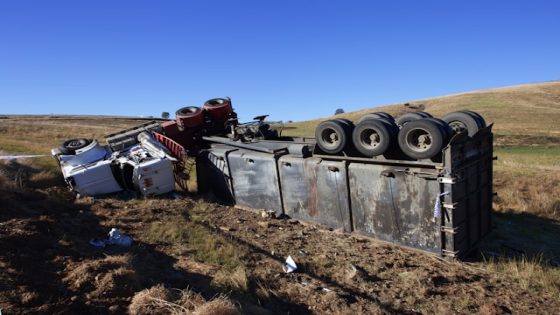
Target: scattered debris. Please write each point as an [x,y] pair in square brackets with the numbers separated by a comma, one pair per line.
[326,290]
[115,238]
[290,265]
[226,229]
[268,214]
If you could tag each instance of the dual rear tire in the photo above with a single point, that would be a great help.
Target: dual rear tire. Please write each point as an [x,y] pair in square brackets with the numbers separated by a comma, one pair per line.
[418,135]
[372,135]
[424,138]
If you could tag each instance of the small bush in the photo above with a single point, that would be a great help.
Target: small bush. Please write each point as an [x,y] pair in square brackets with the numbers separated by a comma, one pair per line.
[160,300]
[218,306]
[149,301]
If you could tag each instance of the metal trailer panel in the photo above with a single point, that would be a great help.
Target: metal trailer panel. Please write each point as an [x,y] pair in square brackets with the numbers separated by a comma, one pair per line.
[315,191]
[396,204]
[392,200]
[467,182]
[213,175]
[254,177]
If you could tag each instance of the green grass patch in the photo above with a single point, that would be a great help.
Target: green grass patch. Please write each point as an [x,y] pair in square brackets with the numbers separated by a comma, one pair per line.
[527,160]
[193,235]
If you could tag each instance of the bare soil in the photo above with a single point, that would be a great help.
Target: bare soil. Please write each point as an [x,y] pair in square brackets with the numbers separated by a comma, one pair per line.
[48,265]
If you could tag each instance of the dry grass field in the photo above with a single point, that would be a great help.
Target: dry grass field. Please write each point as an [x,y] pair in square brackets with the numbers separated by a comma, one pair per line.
[193,256]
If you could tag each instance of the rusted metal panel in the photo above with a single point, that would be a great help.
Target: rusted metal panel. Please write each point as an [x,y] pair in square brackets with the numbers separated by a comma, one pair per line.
[316,191]
[392,200]
[396,204]
[255,180]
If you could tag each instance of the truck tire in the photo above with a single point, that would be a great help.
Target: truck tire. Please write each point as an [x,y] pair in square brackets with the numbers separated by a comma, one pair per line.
[189,117]
[421,139]
[375,116]
[332,136]
[372,137]
[447,130]
[481,121]
[218,109]
[462,122]
[408,117]
[69,147]
[345,121]
[425,114]
[348,125]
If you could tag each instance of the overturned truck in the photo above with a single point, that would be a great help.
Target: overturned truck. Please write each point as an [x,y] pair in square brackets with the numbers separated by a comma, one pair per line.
[416,181]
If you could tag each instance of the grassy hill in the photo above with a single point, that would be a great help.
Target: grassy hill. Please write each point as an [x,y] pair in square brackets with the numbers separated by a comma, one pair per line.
[526,139]
[525,114]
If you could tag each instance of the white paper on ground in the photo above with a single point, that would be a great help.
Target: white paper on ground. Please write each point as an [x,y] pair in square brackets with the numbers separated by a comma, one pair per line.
[290,265]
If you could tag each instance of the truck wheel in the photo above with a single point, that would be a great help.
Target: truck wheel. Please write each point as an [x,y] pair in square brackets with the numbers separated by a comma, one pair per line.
[218,109]
[69,147]
[372,137]
[407,117]
[347,124]
[462,122]
[445,128]
[425,114]
[345,121]
[421,139]
[481,121]
[375,116]
[189,117]
[332,136]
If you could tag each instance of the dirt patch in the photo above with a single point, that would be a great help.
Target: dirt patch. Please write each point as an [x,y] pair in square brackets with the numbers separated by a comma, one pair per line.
[108,278]
[49,266]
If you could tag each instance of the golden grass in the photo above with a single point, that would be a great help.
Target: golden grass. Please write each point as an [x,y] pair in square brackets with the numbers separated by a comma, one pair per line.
[527,181]
[36,135]
[218,306]
[532,109]
[160,300]
[236,280]
[151,301]
[532,274]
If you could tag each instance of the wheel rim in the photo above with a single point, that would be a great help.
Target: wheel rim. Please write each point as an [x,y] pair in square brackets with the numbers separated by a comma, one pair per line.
[75,143]
[330,138]
[419,140]
[189,110]
[458,126]
[370,138]
[216,102]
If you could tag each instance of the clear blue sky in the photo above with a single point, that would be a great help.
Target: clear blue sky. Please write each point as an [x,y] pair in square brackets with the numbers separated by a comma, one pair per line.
[294,60]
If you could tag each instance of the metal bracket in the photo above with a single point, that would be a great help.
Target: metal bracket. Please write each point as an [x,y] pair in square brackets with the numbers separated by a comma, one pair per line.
[449,253]
[449,230]
[450,205]
[447,180]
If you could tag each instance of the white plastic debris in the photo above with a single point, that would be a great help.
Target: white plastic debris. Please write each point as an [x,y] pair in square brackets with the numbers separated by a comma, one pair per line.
[290,265]
[115,238]
[437,206]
